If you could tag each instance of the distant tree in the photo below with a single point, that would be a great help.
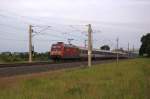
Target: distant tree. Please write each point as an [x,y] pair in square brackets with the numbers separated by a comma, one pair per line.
[145,47]
[105,47]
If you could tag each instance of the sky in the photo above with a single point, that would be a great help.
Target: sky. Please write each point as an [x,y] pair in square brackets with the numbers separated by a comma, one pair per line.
[59,20]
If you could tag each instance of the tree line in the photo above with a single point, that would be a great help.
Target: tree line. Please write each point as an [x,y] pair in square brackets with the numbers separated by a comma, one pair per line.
[145,46]
[22,56]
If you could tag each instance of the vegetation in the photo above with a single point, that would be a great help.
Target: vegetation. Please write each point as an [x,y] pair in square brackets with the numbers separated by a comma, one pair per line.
[128,80]
[145,47]
[105,47]
[41,56]
[8,57]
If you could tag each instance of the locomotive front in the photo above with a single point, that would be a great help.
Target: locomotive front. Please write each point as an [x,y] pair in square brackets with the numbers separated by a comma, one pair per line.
[57,51]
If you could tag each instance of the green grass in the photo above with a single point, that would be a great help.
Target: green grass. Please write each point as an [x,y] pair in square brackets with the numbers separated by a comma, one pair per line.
[128,80]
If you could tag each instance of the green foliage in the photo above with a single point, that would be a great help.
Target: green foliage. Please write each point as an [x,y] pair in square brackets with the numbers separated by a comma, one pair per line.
[148,50]
[41,56]
[145,47]
[127,80]
[105,47]
[8,57]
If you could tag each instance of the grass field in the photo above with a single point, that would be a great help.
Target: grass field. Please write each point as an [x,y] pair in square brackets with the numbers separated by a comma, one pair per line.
[129,79]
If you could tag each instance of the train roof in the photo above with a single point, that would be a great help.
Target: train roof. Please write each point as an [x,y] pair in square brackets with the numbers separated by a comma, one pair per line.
[65,45]
[83,48]
[70,45]
[106,51]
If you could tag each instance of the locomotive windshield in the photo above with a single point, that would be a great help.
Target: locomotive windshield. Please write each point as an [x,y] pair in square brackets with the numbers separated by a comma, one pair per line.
[54,48]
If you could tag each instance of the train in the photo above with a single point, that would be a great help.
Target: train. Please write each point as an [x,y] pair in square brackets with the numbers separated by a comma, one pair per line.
[62,51]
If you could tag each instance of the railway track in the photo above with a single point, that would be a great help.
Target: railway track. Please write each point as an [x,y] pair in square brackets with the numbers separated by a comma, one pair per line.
[7,70]
[24,64]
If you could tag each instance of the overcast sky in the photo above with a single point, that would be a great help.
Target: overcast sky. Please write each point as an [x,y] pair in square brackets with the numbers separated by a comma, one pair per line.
[126,19]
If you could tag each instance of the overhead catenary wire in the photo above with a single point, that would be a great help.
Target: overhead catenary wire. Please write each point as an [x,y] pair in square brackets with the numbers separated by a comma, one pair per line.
[76,28]
[24,19]
[73,26]
[74,36]
[14,34]
[68,33]
[13,27]
[12,39]
[38,33]
[54,35]
[25,40]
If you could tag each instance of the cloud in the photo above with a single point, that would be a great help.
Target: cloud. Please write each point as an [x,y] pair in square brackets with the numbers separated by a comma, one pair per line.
[128,19]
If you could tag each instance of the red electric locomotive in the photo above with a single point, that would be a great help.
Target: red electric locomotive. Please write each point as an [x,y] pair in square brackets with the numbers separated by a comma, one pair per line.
[64,51]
